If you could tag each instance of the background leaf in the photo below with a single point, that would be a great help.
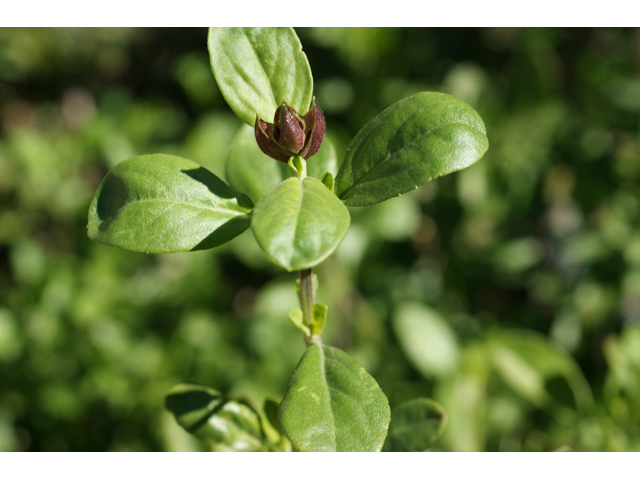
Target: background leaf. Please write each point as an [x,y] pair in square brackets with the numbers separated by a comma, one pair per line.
[332,404]
[411,142]
[299,223]
[226,424]
[538,370]
[427,340]
[415,426]
[162,204]
[259,68]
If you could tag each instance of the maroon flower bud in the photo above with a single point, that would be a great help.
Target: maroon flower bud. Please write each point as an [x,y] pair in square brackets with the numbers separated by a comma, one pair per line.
[291,134]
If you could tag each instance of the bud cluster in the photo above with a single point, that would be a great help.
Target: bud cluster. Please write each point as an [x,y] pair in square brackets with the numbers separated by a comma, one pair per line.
[291,134]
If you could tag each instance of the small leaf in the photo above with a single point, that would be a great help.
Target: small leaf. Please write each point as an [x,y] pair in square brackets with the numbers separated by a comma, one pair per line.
[319,318]
[259,68]
[162,204]
[226,424]
[331,404]
[413,141]
[249,170]
[299,223]
[426,339]
[415,426]
[327,180]
[296,317]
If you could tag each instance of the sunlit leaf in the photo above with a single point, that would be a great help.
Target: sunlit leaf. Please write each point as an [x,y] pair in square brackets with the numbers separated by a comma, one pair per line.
[162,204]
[413,141]
[259,68]
[299,223]
[332,404]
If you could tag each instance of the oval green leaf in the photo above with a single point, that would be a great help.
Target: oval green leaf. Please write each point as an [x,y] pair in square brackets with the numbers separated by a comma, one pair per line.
[162,204]
[299,223]
[426,339]
[539,370]
[413,141]
[259,68]
[226,424]
[332,404]
[415,426]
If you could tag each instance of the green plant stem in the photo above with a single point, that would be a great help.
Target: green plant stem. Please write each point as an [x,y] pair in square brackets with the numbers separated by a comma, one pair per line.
[307,302]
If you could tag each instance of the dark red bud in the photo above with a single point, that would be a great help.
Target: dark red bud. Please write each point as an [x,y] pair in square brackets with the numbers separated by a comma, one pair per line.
[314,119]
[291,130]
[264,137]
[291,134]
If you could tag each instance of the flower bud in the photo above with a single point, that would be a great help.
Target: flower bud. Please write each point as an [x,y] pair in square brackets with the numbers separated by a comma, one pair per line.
[291,134]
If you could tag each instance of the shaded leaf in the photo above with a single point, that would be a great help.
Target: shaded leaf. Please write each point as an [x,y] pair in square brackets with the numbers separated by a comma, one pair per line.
[299,223]
[413,141]
[249,170]
[259,68]
[539,370]
[162,204]
[415,426]
[226,424]
[332,404]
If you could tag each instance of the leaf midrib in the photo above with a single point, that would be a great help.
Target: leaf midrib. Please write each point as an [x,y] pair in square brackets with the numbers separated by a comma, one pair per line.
[181,202]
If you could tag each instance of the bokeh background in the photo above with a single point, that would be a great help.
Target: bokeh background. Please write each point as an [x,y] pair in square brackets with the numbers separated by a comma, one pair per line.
[509,292]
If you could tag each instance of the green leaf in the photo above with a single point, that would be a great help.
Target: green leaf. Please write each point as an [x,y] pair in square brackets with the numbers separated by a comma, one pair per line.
[426,339]
[413,141]
[415,426]
[319,314]
[162,204]
[295,317]
[249,170]
[539,370]
[331,404]
[226,424]
[259,68]
[299,223]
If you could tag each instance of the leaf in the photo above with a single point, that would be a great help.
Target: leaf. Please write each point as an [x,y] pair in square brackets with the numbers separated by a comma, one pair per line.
[249,170]
[299,223]
[295,317]
[226,424]
[259,68]
[539,370]
[162,204]
[426,339]
[324,161]
[415,426]
[331,404]
[413,141]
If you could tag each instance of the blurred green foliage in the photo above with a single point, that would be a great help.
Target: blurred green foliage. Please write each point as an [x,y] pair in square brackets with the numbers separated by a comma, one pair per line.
[521,274]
